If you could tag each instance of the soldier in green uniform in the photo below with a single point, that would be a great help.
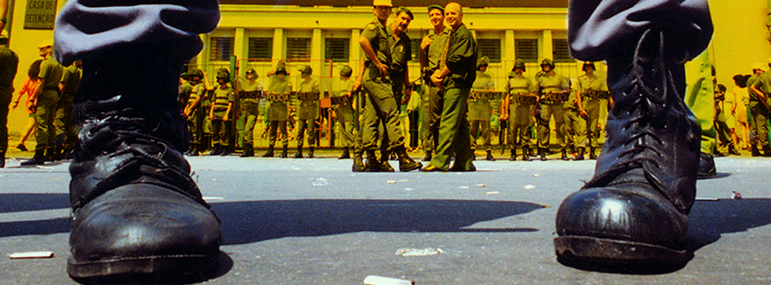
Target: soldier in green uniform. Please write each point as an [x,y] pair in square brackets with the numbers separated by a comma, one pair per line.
[760,90]
[66,131]
[376,82]
[593,91]
[307,110]
[344,110]
[46,98]
[456,76]
[279,89]
[574,127]
[757,70]
[250,91]
[554,92]
[401,54]
[220,113]
[481,109]
[431,48]
[195,110]
[184,90]
[9,64]
[518,107]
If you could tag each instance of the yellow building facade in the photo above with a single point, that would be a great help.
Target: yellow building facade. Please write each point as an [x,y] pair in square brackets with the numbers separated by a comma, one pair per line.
[326,37]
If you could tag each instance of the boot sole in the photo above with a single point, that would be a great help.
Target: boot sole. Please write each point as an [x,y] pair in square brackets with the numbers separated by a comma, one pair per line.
[147,265]
[581,248]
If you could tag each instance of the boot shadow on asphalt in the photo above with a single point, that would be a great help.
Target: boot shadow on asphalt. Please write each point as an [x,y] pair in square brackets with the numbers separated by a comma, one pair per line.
[247,222]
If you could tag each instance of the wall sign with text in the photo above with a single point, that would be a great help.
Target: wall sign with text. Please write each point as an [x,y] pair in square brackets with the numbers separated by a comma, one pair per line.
[41,14]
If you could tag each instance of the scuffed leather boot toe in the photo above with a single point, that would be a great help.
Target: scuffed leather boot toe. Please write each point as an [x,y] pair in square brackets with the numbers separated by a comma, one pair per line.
[142,229]
[616,224]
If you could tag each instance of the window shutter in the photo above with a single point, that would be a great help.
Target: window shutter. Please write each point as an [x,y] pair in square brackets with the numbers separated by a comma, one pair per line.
[221,48]
[261,48]
[526,49]
[298,49]
[337,49]
[490,48]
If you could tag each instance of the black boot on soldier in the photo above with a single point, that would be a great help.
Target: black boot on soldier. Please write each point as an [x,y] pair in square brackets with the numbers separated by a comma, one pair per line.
[310,152]
[135,208]
[299,153]
[248,151]
[37,159]
[345,154]
[633,211]
[405,162]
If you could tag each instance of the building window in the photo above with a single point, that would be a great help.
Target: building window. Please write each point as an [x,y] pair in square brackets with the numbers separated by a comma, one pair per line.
[337,49]
[221,48]
[298,49]
[561,52]
[261,48]
[491,48]
[526,49]
[415,48]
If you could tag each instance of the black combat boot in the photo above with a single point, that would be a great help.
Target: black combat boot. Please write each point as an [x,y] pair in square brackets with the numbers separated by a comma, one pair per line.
[310,152]
[284,151]
[225,150]
[248,151]
[135,208]
[755,152]
[299,153]
[564,154]
[50,154]
[526,153]
[405,162]
[269,153]
[2,159]
[732,150]
[634,208]
[542,153]
[373,163]
[767,151]
[592,154]
[428,156]
[38,159]
[345,154]
[489,156]
[707,165]
[513,156]
[217,150]
[580,155]
[358,162]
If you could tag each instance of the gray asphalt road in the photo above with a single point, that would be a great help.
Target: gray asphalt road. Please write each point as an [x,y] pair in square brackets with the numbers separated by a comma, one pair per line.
[303,221]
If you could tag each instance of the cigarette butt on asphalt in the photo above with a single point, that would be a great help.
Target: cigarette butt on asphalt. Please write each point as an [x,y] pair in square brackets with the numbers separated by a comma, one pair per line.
[493,193]
[481,185]
[380,280]
[391,182]
[31,254]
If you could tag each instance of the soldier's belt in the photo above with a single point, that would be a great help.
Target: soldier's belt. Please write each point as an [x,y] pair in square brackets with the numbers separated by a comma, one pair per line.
[340,100]
[525,98]
[307,96]
[487,95]
[596,94]
[555,96]
[251,94]
[275,97]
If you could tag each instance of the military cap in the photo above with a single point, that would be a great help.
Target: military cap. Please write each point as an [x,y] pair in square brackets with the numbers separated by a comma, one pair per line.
[306,70]
[346,71]
[45,43]
[518,64]
[588,64]
[483,61]
[547,61]
[377,3]
[432,7]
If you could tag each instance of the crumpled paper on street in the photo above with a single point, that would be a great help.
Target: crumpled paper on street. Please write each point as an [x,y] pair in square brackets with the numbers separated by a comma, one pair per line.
[418,251]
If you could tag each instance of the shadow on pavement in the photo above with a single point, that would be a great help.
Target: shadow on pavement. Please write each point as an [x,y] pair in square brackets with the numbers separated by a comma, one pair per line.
[246,222]
[711,219]
[33,202]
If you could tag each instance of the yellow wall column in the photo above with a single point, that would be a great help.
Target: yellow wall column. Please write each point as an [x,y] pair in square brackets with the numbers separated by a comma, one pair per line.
[508,53]
[203,56]
[279,52]
[355,52]
[241,46]
[317,48]
[545,50]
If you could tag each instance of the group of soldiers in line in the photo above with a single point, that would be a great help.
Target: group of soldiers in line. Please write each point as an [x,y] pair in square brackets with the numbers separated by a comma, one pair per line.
[51,103]
[532,102]
[367,107]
